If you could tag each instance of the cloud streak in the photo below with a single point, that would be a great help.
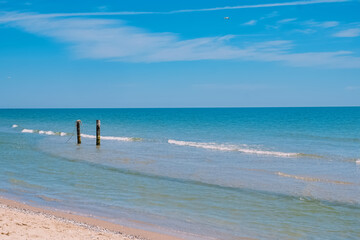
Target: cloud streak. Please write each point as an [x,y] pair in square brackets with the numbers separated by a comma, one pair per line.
[114,40]
[267,5]
[89,14]
[250,23]
[325,24]
[352,32]
[287,20]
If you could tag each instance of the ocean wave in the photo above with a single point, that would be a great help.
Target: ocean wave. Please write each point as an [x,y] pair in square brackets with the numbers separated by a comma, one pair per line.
[43,132]
[22,183]
[125,139]
[27,130]
[330,138]
[352,160]
[111,138]
[48,199]
[237,148]
[312,179]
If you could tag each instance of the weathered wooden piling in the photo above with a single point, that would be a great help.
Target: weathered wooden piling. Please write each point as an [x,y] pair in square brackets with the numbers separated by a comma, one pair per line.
[78,131]
[97,132]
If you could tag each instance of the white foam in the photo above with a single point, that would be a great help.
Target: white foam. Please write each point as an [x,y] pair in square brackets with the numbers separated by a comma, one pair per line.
[225,147]
[43,132]
[110,138]
[46,132]
[87,136]
[126,139]
[27,131]
[357,161]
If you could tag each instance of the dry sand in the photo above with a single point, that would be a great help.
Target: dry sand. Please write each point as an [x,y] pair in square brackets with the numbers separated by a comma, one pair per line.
[21,221]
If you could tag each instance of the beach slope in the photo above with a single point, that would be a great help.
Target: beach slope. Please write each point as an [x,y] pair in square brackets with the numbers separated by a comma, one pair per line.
[21,221]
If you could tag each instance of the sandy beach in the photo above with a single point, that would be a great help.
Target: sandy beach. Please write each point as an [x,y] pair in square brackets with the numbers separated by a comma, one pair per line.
[21,221]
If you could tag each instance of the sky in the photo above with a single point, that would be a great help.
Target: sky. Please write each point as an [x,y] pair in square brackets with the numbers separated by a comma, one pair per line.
[141,53]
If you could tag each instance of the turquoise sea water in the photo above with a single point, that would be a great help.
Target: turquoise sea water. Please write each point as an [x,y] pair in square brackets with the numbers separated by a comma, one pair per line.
[268,173]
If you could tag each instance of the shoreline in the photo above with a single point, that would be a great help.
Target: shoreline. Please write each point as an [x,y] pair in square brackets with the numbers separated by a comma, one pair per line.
[14,215]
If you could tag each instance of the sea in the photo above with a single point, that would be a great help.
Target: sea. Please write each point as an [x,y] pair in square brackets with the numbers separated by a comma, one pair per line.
[195,173]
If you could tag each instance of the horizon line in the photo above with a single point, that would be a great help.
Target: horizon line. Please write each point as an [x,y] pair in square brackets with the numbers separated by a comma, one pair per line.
[39,108]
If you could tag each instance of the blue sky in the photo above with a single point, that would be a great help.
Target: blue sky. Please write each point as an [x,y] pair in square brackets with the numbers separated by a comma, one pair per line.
[179,53]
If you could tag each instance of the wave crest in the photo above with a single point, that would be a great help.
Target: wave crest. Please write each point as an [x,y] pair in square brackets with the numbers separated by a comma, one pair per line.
[111,138]
[126,139]
[311,179]
[43,132]
[237,148]
[27,130]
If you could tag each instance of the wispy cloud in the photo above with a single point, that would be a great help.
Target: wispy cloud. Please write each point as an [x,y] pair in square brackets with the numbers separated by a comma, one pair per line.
[88,14]
[117,41]
[287,20]
[352,32]
[314,26]
[305,31]
[255,21]
[250,23]
[325,24]
[270,15]
[267,5]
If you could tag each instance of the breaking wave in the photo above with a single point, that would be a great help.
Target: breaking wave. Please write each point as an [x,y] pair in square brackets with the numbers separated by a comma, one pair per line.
[113,138]
[237,148]
[126,139]
[44,132]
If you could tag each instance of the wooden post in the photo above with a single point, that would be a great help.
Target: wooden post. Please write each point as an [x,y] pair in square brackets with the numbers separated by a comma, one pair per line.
[78,131]
[97,132]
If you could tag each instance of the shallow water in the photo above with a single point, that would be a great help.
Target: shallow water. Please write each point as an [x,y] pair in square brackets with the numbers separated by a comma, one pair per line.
[285,173]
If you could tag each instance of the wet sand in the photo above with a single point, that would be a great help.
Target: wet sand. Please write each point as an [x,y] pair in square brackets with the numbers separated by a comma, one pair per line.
[22,221]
